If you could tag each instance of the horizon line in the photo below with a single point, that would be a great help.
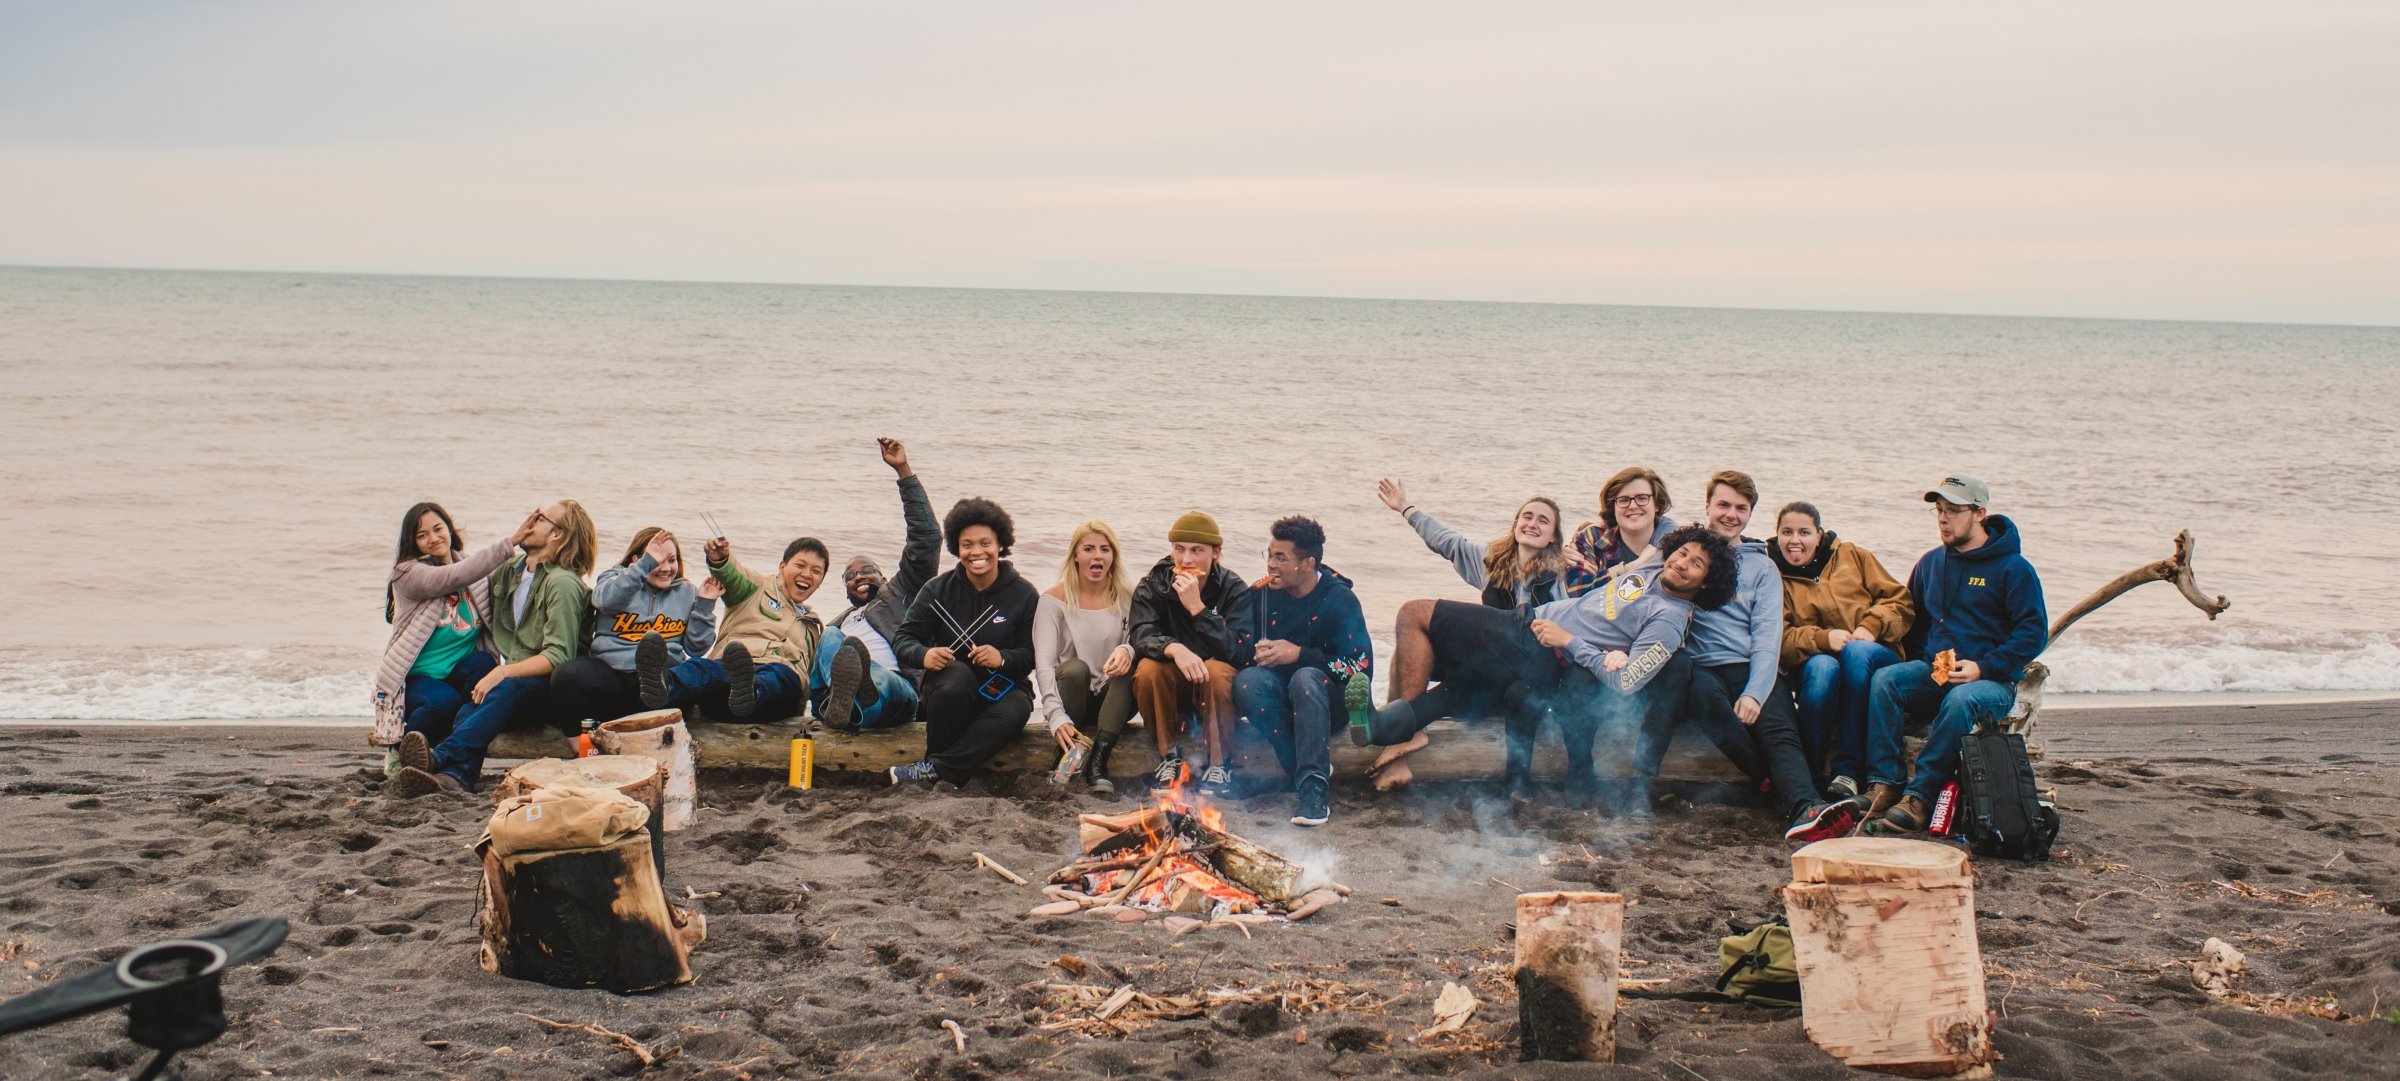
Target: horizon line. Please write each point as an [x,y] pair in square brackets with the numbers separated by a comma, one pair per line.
[528,277]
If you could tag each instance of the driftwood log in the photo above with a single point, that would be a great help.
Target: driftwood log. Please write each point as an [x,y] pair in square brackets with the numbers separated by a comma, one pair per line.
[1891,977]
[1566,975]
[1468,751]
[2176,568]
[660,736]
[581,914]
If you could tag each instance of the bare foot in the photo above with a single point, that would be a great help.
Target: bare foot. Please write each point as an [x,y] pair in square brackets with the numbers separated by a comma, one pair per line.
[1398,751]
[1396,775]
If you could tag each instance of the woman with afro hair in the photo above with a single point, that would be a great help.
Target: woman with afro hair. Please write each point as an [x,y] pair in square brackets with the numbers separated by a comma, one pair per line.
[971,630]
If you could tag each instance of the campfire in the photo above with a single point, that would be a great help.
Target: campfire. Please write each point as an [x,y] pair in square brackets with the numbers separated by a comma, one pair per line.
[1175,858]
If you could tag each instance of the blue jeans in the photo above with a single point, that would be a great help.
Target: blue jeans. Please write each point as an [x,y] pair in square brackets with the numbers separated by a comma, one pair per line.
[894,697]
[461,755]
[701,682]
[1907,689]
[434,703]
[1833,704]
[1294,712]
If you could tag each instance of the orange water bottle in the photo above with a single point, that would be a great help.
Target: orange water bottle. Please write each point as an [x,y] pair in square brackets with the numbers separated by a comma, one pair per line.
[583,743]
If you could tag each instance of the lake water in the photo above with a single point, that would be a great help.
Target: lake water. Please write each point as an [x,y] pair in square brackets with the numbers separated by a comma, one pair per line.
[205,471]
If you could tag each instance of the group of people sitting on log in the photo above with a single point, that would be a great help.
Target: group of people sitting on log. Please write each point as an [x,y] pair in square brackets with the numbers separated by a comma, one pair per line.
[1800,659]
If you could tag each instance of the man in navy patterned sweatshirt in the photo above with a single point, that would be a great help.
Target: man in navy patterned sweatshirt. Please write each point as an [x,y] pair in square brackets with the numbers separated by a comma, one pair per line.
[1301,643]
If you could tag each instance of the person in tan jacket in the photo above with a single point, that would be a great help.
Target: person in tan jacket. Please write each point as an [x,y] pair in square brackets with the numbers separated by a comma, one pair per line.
[1843,619]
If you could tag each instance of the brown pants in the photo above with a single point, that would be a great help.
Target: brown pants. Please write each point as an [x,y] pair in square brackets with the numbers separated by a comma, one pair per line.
[1163,695]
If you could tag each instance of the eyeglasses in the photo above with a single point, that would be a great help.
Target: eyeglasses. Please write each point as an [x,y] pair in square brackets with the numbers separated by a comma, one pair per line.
[554,523]
[1635,500]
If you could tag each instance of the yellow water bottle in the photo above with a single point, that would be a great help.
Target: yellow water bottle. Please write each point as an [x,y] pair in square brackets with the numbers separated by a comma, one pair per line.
[804,762]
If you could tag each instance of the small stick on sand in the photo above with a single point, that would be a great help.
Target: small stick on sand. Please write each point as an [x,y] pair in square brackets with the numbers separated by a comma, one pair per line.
[993,865]
[1511,885]
[2095,897]
[957,1035]
[622,1040]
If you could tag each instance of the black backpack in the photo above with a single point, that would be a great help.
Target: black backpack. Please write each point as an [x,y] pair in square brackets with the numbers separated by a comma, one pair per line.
[1999,812]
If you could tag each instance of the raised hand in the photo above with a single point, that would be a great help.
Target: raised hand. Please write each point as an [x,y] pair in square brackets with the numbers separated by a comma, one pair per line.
[895,454]
[1187,590]
[719,550]
[661,547]
[711,589]
[524,532]
[1395,495]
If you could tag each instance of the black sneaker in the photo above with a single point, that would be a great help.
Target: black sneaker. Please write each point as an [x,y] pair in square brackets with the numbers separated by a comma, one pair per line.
[839,711]
[919,770]
[741,681]
[1170,772]
[1841,788]
[1315,808]
[416,753]
[1832,818]
[1216,781]
[650,664]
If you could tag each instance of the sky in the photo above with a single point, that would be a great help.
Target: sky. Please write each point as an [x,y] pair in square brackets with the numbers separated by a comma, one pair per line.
[2186,160]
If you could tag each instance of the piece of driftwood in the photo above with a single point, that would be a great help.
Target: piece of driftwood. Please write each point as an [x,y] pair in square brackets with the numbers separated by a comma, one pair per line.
[1891,978]
[1461,751]
[660,736]
[633,775]
[2176,568]
[591,915]
[1567,954]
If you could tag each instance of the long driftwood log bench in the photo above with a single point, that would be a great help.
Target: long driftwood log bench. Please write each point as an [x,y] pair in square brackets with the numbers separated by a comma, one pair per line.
[1460,751]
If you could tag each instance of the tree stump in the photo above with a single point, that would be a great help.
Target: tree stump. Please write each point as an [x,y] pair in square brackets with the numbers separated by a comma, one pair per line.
[658,735]
[635,776]
[1567,975]
[1883,934]
[571,895]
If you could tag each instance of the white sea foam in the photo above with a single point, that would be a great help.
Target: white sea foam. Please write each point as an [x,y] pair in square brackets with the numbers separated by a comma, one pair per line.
[2223,660]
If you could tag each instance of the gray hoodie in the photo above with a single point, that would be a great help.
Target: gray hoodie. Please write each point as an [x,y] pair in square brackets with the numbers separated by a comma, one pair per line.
[1750,627]
[627,608]
[1632,613]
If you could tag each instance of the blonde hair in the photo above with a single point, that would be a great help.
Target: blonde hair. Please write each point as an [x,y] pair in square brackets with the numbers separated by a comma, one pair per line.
[579,549]
[1070,583]
[1505,564]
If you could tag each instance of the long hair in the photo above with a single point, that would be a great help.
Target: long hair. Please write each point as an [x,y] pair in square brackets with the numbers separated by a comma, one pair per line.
[641,540]
[579,549]
[1120,585]
[1660,501]
[408,543]
[1504,565]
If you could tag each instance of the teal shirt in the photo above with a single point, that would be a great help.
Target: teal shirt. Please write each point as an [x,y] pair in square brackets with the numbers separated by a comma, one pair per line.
[450,642]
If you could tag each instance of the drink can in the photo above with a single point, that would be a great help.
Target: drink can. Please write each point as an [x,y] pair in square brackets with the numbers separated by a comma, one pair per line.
[1945,812]
[1071,761]
[804,763]
[584,747]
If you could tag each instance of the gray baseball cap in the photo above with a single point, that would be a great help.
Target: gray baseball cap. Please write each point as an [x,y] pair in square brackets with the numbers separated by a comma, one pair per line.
[1961,490]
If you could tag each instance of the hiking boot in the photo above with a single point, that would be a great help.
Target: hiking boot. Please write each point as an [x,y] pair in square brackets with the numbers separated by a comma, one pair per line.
[741,681]
[1880,797]
[919,770]
[1216,781]
[650,664]
[412,782]
[1315,806]
[1170,772]
[1841,788]
[1903,819]
[848,670]
[1095,767]
[1395,722]
[415,752]
[1832,818]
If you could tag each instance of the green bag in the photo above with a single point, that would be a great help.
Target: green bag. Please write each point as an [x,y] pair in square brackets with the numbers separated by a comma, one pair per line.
[1759,967]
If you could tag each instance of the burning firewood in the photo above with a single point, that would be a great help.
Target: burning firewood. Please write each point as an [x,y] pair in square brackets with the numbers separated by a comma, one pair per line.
[1176,857]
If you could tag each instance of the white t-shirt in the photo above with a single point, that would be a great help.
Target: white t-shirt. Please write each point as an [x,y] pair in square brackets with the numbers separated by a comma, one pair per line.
[855,625]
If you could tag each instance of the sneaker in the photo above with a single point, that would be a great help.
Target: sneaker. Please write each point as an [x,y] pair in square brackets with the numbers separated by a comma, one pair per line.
[1903,819]
[1832,818]
[1396,721]
[650,664]
[1358,700]
[919,770]
[415,753]
[1170,772]
[1314,806]
[1841,788]
[741,680]
[1633,800]
[411,783]
[1216,781]
[839,711]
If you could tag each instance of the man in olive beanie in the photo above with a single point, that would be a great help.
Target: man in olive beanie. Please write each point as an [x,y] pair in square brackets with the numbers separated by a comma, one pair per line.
[1177,627]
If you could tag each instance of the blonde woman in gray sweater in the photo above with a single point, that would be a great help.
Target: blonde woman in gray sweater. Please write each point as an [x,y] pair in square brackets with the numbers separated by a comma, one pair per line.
[1082,666]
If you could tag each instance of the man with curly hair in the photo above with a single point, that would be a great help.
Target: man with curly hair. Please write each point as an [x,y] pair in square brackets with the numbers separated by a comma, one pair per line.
[1618,638]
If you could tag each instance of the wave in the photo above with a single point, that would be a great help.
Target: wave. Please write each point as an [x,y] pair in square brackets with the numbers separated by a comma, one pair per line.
[260,684]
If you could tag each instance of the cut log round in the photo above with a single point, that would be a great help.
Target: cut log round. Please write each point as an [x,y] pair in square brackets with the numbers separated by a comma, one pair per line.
[1883,935]
[585,917]
[658,735]
[633,775]
[1566,975]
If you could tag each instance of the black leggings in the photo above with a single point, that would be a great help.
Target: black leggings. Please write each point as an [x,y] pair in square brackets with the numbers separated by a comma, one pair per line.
[1104,712]
[963,729]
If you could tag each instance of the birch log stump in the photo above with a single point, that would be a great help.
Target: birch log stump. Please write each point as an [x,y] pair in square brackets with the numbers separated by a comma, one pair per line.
[1567,975]
[572,898]
[635,776]
[658,735]
[1891,979]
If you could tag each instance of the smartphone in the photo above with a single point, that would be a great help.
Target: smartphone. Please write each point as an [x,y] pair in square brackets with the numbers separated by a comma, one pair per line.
[997,687]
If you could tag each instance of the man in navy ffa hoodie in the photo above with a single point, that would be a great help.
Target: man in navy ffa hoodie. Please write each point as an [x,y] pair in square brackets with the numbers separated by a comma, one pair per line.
[1979,600]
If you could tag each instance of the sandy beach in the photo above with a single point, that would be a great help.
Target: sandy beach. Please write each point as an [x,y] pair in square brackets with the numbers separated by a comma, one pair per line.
[846,923]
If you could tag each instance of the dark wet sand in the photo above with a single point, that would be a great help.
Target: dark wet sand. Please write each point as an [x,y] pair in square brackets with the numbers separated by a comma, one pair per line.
[851,920]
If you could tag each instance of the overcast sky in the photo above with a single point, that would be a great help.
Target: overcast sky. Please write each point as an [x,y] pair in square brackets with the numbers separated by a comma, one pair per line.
[2175,160]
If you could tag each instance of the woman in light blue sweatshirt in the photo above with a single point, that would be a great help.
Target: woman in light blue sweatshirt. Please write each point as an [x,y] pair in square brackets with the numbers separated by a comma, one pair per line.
[648,619]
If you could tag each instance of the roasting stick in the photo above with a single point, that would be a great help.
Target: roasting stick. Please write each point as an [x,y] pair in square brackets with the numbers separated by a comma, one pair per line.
[993,865]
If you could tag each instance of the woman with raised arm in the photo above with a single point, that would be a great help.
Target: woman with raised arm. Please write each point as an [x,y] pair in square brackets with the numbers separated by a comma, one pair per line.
[1082,664]
[541,618]
[1633,516]
[1843,620]
[438,604]
[649,623]
[1524,566]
